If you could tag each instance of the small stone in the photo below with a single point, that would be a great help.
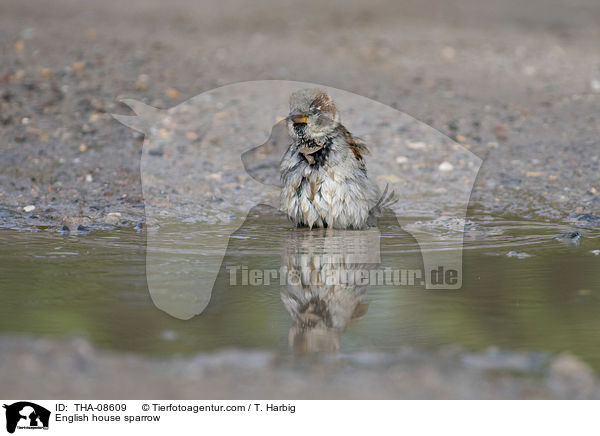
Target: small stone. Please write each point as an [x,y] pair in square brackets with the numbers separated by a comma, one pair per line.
[78,65]
[64,229]
[401,159]
[141,84]
[86,128]
[156,152]
[449,52]
[81,228]
[91,33]
[518,254]
[595,252]
[571,238]
[446,166]
[534,173]
[530,70]
[569,377]
[29,208]
[191,135]
[18,75]
[19,46]
[82,147]
[453,125]
[416,145]
[169,335]
[46,72]
[113,218]
[172,93]
[28,33]
[595,85]
[89,178]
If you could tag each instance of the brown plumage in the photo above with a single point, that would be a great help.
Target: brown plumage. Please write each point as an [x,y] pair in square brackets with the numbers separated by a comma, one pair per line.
[323,172]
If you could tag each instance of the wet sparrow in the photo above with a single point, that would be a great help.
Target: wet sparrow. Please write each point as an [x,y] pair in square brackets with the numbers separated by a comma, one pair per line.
[323,173]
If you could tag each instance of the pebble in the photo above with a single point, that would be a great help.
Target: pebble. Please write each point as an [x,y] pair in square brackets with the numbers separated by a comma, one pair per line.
[29,208]
[595,85]
[141,84]
[401,159]
[534,173]
[172,93]
[446,166]
[156,152]
[113,218]
[595,252]
[28,33]
[572,238]
[449,52]
[518,254]
[78,65]
[89,178]
[416,145]
[586,218]
[169,335]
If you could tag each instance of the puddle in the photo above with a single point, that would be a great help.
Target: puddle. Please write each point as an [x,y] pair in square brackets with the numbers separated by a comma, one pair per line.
[94,285]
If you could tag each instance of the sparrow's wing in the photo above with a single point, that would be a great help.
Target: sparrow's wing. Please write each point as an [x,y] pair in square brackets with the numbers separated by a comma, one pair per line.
[357,145]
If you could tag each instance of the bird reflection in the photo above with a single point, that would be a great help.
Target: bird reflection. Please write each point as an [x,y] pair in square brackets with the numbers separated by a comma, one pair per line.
[326,287]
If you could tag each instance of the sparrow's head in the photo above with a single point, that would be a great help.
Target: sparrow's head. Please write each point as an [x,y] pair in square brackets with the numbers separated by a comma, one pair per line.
[313,114]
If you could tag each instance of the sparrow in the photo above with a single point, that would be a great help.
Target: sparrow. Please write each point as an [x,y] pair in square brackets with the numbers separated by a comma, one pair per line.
[323,172]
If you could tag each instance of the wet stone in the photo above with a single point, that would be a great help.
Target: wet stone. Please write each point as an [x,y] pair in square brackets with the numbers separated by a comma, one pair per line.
[156,152]
[586,219]
[518,254]
[570,238]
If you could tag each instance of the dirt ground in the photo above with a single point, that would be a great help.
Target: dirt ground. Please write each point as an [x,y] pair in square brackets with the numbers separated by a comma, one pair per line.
[518,84]
[74,369]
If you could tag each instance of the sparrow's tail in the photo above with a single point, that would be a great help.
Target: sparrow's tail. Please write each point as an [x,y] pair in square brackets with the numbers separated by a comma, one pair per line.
[386,201]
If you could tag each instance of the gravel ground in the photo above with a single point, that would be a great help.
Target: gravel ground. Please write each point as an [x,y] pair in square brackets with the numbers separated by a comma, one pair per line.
[407,374]
[517,84]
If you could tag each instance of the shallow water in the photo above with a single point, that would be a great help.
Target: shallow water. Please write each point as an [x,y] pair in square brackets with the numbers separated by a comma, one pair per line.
[544,296]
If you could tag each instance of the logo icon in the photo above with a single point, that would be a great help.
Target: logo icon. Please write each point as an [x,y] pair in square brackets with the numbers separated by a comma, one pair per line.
[207,162]
[26,415]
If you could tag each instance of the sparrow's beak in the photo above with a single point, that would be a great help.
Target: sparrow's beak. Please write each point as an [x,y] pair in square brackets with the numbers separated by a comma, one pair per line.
[298,118]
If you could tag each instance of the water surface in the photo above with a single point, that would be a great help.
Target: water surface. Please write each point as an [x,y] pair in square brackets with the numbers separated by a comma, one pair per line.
[544,296]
